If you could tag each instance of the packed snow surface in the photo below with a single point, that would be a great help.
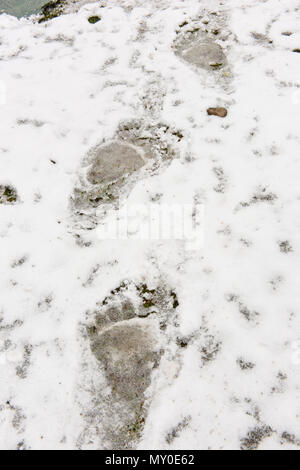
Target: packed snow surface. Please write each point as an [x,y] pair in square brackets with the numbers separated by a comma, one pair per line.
[227,314]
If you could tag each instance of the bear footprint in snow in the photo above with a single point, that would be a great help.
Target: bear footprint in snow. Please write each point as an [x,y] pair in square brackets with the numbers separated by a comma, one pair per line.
[112,165]
[8,194]
[198,43]
[125,339]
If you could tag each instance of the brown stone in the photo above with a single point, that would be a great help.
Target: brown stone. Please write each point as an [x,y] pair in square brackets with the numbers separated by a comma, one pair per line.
[221,112]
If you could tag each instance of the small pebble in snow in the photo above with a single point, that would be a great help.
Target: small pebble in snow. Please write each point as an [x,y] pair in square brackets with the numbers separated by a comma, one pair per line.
[94,19]
[286,33]
[221,112]
[297,50]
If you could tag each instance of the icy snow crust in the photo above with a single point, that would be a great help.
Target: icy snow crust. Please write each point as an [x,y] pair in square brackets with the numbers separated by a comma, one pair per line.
[215,333]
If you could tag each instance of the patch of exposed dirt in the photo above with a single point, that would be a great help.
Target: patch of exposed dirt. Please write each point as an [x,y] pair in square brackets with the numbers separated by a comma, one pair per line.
[8,194]
[255,437]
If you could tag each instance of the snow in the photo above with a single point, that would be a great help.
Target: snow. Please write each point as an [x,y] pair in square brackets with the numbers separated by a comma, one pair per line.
[67,86]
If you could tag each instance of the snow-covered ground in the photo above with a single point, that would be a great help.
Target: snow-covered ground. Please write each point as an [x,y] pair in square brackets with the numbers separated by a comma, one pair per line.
[228,374]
